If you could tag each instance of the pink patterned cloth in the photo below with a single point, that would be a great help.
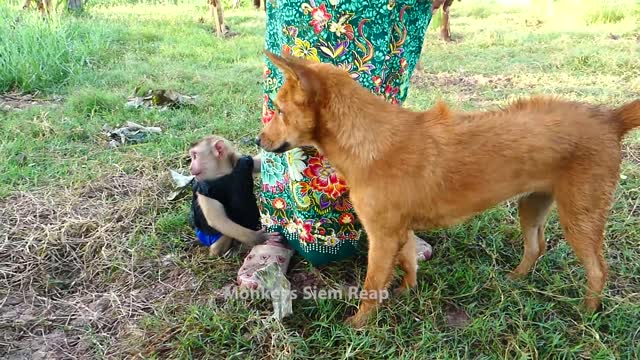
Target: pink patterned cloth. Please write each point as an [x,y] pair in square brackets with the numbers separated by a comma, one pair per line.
[259,257]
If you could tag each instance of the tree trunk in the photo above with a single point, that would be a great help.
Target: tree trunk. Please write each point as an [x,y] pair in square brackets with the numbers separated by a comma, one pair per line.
[218,16]
[549,8]
[74,5]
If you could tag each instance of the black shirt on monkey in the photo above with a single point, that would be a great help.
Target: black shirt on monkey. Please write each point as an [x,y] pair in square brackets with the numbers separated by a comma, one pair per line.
[235,192]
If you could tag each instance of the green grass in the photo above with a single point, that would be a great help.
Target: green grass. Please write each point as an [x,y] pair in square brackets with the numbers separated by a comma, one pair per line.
[94,62]
[37,55]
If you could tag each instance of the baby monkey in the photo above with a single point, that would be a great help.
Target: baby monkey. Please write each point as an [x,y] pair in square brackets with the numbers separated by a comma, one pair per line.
[224,207]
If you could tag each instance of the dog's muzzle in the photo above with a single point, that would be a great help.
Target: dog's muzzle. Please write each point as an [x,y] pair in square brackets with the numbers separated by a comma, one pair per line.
[282,148]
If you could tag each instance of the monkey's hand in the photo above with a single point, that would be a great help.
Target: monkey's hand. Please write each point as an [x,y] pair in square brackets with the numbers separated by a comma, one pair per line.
[261,236]
[264,236]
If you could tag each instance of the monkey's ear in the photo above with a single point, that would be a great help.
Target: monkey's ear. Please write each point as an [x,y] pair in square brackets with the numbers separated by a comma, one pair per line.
[219,148]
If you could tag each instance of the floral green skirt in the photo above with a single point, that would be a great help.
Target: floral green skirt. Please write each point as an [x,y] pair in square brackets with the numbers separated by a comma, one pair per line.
[379,43]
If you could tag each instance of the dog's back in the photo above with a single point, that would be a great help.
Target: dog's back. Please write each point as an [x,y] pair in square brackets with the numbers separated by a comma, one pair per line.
[451,162]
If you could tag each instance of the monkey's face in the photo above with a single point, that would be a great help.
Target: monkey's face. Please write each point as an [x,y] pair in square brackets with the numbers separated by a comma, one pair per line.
[205,161]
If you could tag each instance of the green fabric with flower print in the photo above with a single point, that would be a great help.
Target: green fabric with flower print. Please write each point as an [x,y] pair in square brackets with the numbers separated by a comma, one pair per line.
[378,42]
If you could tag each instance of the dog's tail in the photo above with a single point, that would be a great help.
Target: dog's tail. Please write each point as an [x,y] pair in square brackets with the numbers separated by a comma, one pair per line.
[629,116]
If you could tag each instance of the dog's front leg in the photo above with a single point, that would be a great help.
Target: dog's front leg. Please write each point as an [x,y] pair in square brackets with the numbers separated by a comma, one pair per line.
[383,251]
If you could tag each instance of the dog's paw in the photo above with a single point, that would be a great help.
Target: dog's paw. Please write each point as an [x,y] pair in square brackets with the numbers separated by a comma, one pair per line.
[402,290]
[592,305]
[514,275]
[355,322]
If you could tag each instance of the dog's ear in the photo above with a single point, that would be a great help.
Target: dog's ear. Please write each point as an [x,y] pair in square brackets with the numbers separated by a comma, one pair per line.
[283,64]
[297,70]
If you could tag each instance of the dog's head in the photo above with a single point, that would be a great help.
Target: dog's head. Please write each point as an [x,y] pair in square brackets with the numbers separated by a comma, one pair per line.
[297,105]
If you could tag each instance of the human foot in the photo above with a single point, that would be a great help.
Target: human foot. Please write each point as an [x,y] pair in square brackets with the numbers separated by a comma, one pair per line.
[424,251]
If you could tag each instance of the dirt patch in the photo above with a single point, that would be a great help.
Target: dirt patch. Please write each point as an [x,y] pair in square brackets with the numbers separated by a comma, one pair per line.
[301,279]
[17,101]
[71,281]
[457,317]
[466,83]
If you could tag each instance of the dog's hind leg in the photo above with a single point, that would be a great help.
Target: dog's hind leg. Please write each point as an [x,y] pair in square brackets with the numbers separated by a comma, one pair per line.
[408,263]
[532,210]
[585,235]
[583,204]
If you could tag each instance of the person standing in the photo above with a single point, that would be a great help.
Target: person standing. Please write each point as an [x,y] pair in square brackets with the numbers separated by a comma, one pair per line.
[378,42]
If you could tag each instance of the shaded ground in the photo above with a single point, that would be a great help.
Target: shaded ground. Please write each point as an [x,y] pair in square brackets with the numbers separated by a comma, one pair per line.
[70,262]
[68,265]
[17,101]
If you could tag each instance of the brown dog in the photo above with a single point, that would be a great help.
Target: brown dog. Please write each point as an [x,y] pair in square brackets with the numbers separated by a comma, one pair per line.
[411,170]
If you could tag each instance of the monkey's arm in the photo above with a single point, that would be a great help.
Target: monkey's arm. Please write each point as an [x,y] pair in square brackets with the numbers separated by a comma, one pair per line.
[257,164]
[217,218]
